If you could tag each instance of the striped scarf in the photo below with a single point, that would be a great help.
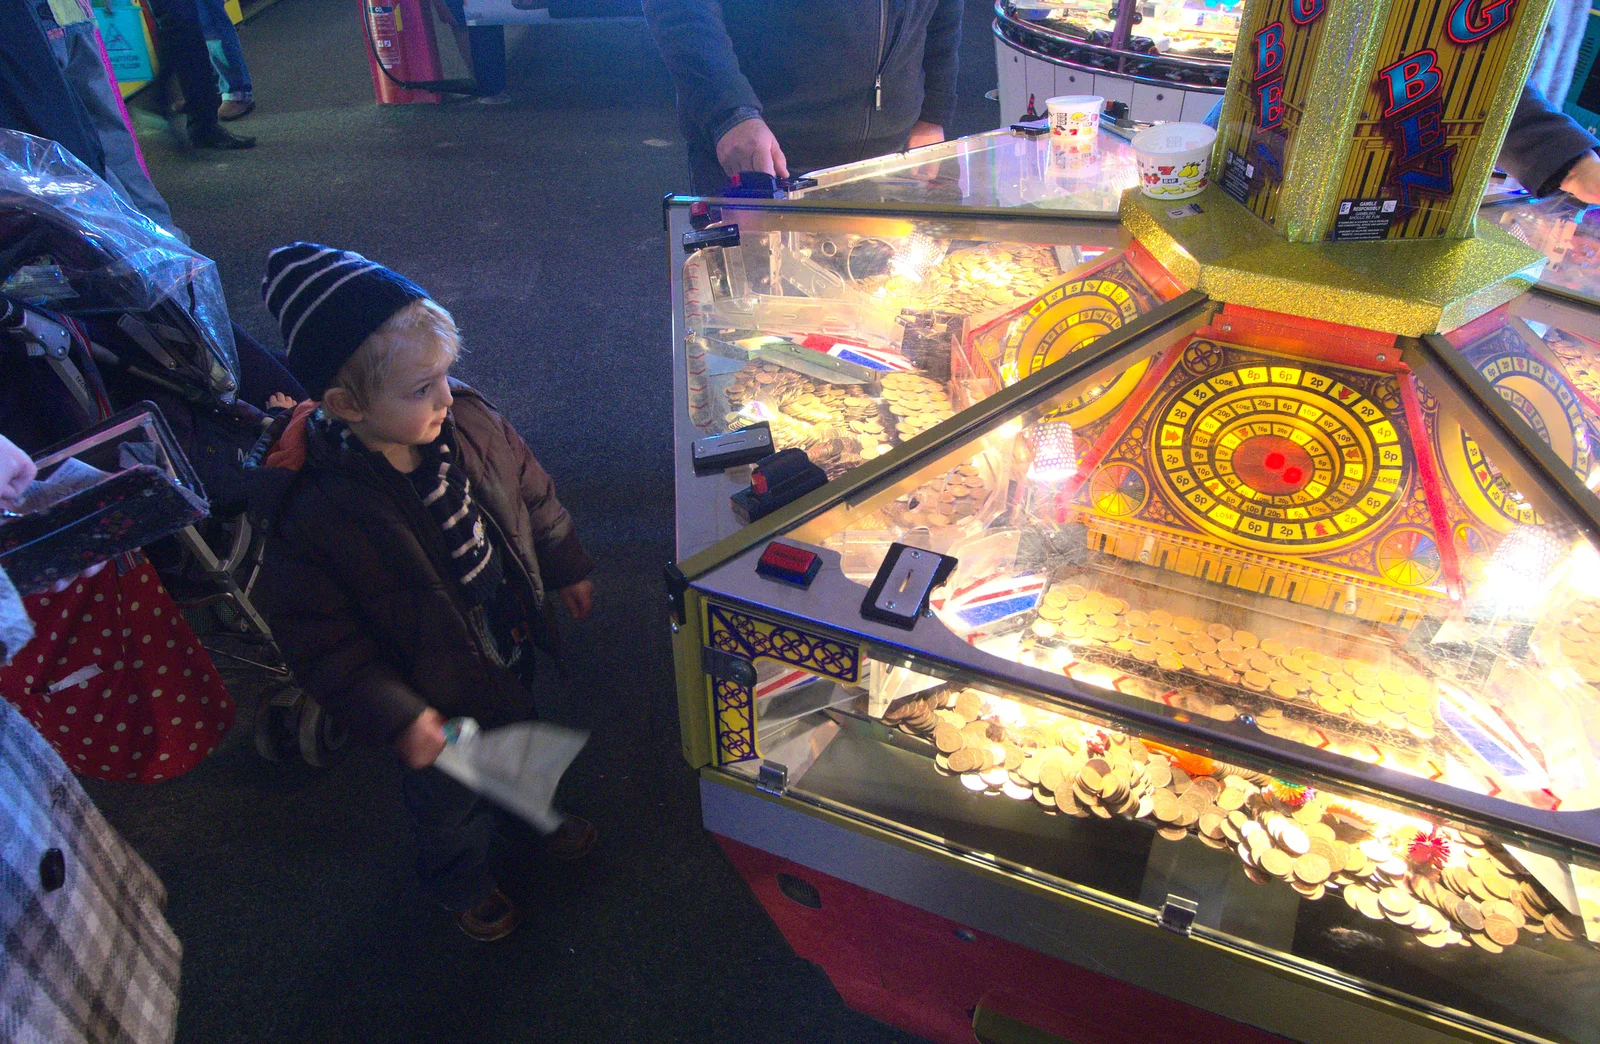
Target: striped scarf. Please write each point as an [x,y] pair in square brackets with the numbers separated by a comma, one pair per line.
[446,492]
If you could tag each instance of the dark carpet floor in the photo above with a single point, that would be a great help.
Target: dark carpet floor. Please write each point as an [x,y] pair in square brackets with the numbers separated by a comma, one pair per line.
[539,225]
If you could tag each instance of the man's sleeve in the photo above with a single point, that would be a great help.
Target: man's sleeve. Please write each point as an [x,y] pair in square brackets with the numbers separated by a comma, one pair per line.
[713,95]
[941,56]
[1542,144]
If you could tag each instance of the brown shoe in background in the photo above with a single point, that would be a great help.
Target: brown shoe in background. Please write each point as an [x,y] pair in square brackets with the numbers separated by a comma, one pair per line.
[573,839]
[491,920]
[229,111]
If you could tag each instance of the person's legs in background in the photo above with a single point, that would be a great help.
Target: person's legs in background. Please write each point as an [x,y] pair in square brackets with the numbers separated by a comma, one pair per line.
[182,50]
[227,57]
[78,53]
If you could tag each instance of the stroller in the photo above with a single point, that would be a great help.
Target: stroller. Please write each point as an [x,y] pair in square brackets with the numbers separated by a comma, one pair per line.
[100,308]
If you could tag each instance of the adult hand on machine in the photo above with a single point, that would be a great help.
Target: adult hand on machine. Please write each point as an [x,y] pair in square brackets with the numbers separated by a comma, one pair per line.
[16,472]
[924,133]
[578,598]
[1583,180]
[749,145]
[420,742]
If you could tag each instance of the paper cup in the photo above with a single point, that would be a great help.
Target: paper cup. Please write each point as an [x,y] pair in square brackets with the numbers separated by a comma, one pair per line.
[1075,120]
[1174,159]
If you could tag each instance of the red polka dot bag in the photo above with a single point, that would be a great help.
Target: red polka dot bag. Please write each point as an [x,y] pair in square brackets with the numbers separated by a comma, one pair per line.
[117,681]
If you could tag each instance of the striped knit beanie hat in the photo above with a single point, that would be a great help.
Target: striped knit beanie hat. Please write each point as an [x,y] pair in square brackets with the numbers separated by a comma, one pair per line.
[326,302]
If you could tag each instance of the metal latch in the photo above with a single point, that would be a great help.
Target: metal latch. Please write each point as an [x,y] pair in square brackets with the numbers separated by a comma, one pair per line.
[1177,914]
[715,236]
[728,667]
[677,587]
[773,778]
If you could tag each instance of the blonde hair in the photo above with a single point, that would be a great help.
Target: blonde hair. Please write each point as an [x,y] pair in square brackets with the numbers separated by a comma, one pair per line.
[421,326]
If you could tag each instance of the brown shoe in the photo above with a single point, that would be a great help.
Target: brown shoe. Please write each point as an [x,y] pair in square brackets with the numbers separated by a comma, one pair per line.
[573,839]
[229,111]
[491,920]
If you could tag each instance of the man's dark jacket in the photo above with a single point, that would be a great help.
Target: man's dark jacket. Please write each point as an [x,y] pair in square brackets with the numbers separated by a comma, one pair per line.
[1542,144]
[836,80]
[357,590]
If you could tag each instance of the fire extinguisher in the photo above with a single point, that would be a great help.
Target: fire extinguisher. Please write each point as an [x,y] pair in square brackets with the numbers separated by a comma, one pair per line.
[404,53]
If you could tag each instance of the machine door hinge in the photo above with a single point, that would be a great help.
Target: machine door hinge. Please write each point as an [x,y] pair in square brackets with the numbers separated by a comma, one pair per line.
[773,778]
[728,667]
[1177,914]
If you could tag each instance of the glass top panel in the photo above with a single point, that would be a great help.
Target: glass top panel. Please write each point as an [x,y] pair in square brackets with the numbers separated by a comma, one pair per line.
[1006,169]
[1566,231]
[1549,375]
[844,334]
[1410,906]
[1281,526]
[996,169]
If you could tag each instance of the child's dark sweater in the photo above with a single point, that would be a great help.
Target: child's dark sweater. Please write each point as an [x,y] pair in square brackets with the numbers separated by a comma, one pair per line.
[361,595]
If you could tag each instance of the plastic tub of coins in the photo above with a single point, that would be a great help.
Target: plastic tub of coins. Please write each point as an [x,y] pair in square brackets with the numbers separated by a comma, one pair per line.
[1174,159]
[1075,121]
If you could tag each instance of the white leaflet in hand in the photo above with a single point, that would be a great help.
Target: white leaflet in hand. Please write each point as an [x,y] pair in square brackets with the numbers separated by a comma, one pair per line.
[70,477]
[517,767]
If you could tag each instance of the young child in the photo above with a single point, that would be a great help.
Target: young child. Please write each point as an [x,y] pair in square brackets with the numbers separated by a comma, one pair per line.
[412,550]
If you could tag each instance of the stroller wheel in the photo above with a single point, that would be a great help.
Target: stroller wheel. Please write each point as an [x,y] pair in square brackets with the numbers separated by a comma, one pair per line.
[322,739]
[276,727]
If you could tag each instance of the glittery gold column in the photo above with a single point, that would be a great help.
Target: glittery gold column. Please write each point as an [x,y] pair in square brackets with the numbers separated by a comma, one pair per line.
[1319,57]
[1312,125]
[1350,42]
[1475,177]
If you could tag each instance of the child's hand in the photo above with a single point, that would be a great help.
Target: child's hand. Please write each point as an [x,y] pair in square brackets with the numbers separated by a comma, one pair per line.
[420,742]
[578,598]
[278,400]
[16,471]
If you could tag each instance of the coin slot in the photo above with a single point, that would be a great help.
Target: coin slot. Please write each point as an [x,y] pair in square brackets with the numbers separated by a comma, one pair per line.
[800,891]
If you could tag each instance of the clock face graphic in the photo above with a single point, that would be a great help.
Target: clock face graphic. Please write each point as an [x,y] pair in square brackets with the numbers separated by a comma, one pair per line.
[1279,456]
[1065,320]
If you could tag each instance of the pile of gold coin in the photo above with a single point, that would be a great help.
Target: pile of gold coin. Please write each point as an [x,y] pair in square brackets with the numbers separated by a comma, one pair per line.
[1398,700]
[1477,898]
[1580,640]
[956,495]
[1452,889]
[978,279]
[838,426]
[820,417]
[780,387]
[1578,361]
[917,403]
[914,714]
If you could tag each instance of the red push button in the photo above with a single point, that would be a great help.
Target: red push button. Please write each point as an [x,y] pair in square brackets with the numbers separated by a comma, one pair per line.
[790,564]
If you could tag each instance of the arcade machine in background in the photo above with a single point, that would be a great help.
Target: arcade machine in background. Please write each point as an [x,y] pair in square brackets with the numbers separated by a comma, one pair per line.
[403,49]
